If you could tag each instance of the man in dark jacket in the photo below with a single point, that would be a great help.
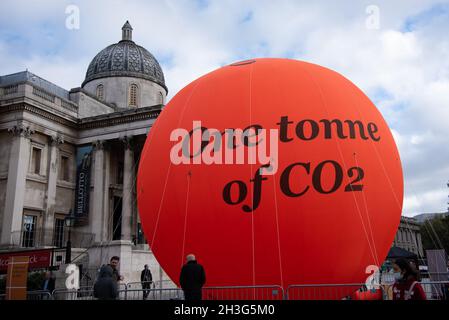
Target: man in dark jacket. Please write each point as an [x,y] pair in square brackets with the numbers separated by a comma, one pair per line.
[146,279]
[49,282]
[105,288]
[113,263]
[192,279]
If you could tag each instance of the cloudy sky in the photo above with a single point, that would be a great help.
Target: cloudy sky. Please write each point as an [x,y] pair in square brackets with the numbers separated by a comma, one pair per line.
[397,52]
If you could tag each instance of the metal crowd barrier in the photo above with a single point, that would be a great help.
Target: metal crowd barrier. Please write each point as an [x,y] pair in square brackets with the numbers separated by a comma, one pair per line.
[160,284]
[151,294]
[34,295]
[121,286]
[164,284]
[39,295]
[243,293]
[323,291]
[80,294]
[139,285]
[136,290]
[435,290]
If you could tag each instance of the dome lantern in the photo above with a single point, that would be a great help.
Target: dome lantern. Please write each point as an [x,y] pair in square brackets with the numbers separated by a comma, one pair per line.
[127,31]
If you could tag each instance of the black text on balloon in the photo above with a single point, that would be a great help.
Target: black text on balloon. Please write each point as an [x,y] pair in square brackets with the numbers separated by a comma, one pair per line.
[296,180]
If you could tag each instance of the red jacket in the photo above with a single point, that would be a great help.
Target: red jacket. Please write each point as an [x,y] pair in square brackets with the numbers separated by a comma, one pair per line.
[408,290]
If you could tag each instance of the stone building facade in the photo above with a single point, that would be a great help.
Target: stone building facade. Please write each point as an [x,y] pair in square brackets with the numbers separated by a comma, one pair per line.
[45,129]
[408,236]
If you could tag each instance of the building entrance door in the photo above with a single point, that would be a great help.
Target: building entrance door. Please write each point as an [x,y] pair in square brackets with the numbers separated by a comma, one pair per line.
[117,219]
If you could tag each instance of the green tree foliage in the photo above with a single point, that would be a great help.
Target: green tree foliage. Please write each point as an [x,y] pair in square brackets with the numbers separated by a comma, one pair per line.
[35,281]
[435,233]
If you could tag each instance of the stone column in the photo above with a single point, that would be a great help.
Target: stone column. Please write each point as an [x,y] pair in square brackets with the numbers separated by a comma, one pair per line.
[15,188]
[107,180]
[95,223]
[128,183]
[49,217]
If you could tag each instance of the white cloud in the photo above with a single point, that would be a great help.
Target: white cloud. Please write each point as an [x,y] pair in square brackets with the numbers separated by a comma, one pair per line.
[415,202]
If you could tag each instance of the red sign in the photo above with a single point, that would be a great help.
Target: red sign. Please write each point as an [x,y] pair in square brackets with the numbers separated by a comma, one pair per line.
[37,259]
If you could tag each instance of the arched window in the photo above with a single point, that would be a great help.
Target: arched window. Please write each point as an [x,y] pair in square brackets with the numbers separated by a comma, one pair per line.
[133,95]
[161,98]
[100,92]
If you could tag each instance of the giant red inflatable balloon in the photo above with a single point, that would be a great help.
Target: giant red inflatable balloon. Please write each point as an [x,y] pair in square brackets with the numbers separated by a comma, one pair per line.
[331,209]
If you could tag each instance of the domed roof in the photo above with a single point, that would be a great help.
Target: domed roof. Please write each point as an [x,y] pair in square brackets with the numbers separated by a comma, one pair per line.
[125,58]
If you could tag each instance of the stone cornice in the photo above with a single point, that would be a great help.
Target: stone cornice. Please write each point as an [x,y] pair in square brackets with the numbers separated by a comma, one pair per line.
[106,120]
[117,118]
[21,107]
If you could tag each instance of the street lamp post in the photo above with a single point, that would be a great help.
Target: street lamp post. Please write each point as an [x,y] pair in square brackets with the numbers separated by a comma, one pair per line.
[69,222]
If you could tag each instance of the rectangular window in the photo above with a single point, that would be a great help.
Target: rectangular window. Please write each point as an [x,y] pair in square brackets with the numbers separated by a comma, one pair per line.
[36,160]
[120,168]
[28,231]
[64,169]
[140,235]
[58,233]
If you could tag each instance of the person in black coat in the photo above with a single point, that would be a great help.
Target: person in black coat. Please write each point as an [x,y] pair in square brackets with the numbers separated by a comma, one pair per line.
[146,279]
[192,279]
[49,282]
[113,263]
[105,288]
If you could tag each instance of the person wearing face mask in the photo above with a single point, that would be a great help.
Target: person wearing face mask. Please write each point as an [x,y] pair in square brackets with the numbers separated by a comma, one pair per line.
[406,285]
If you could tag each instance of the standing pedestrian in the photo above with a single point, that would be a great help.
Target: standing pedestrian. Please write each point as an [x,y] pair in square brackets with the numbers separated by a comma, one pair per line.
[192,279]
[113,263]
[406,286]
[105,288]
[146,279]
[49,282]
